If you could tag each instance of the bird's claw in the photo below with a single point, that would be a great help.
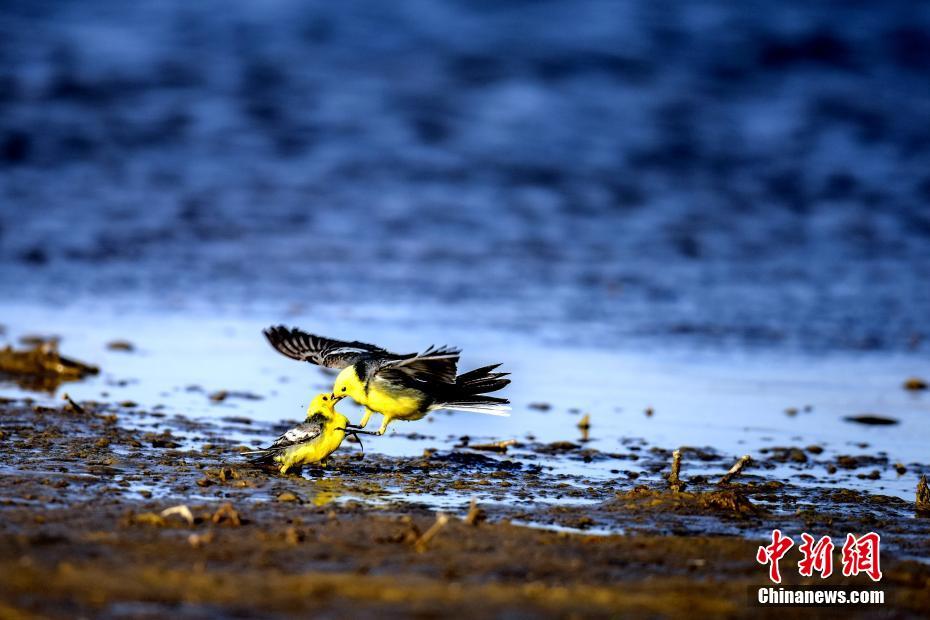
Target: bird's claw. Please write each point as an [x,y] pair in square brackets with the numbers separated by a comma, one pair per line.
[355,430]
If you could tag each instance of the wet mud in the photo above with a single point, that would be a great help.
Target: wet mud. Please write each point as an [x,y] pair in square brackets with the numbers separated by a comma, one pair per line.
[114,511]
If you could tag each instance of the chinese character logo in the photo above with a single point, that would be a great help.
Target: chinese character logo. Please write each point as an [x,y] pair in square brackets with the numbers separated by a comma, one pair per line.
[774,552]
[817,557]
[860,555]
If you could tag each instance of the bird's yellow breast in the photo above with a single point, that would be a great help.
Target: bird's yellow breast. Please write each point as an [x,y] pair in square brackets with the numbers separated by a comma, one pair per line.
[398,404]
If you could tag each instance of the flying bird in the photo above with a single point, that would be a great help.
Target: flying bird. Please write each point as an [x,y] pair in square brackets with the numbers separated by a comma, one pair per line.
[398,386]
[320,435]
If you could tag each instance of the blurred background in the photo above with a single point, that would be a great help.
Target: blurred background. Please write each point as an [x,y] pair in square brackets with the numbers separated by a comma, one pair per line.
[712,173]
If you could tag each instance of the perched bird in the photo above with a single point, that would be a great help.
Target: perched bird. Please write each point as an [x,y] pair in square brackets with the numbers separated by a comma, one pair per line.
[320,435]
[398,386]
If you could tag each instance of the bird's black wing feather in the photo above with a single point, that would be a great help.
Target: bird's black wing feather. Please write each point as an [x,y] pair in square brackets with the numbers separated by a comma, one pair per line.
[337,354]
[311,429]
[430,367]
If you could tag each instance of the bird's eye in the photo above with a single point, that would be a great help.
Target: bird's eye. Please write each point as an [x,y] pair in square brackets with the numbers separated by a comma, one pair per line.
[325,398]
[343,389]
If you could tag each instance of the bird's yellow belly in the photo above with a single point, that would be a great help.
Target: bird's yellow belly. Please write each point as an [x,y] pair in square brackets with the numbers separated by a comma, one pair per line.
[396,405]
[312,452]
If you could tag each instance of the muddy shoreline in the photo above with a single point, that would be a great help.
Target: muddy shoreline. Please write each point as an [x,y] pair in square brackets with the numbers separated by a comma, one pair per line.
[83,530]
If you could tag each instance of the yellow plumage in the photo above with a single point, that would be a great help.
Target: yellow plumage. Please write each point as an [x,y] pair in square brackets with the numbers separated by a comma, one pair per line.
[315,450]
[398,386]
[313,441]
[390,401]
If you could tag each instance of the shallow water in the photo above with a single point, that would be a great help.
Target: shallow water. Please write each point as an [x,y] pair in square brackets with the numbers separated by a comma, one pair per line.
[717,212]
[731,404]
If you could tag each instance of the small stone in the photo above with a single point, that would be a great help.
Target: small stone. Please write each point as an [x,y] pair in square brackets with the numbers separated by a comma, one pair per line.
[121,345]
[871,419]
[294,536]
[228,473]
[227,514]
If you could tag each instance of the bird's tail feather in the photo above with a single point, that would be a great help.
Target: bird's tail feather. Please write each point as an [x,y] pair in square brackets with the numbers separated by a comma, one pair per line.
[487,408]
[481,381]
[470,389]
[260,456]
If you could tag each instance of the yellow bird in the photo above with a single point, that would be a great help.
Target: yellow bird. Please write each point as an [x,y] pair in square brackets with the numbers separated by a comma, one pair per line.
[320,435]
[398,386]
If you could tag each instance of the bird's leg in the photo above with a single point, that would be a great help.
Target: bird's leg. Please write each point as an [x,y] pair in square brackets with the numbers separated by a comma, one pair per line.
[384,425]
[365,418]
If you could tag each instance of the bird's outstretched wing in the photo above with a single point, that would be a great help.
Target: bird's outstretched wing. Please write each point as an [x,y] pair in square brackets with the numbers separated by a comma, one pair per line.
[337,354]
[311,429]
[431,366]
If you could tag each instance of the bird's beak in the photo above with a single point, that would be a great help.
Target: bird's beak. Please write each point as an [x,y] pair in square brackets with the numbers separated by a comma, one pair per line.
[335,398]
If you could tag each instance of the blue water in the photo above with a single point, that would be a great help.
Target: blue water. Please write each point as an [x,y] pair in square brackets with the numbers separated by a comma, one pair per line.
[718,174]
[732,403]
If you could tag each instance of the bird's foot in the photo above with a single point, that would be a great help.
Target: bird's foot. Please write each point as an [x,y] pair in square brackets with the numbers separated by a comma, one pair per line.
[351,429]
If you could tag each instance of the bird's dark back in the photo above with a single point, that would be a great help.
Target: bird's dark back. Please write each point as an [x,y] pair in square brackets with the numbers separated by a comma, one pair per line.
[366,367]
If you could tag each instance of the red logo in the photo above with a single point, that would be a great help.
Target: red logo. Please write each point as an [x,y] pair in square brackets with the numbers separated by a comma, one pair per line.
[859,555]
[773,553]
[817,557]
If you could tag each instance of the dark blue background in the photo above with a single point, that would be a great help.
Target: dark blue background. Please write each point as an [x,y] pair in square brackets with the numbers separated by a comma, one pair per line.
[737,173]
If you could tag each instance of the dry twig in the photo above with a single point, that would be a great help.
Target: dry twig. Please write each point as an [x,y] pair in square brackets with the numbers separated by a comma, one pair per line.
[674,482]
[923,497]
[77,408]
[736,470]
[475,514]
[497,446]
[422,542]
